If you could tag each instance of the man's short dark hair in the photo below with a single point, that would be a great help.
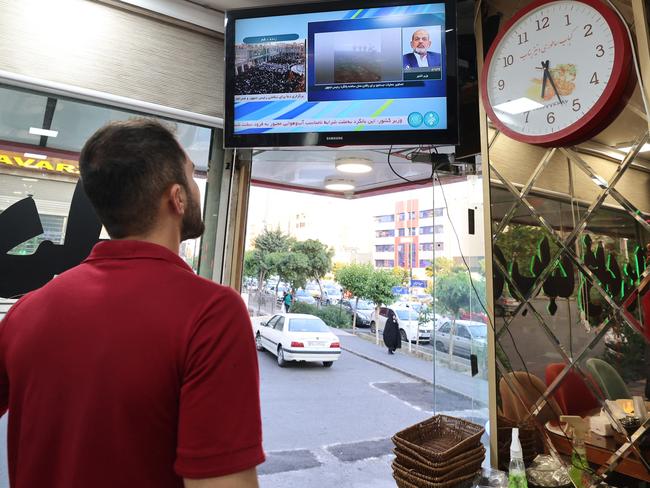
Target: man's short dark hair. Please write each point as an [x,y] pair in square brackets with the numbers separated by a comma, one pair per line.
[125,168]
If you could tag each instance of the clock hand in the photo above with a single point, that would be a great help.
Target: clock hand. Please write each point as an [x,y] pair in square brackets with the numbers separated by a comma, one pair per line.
[550,78]
[545,77]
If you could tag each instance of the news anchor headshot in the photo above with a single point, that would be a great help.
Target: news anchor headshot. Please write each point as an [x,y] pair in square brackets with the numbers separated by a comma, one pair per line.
[421,57]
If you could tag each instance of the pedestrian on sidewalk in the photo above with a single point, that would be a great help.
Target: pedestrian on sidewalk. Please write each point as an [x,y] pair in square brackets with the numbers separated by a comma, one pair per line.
[392,338]
[288,298]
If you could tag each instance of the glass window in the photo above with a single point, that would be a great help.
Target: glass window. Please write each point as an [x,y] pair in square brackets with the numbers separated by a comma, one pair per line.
[445,328]
[439,212]
[426,246]
[385,233]
[462,332]
[307,325]
[407,314]
[438,229]
[385,248]
[271,323]
[478,331]
[424,263]
[425,214]
[384,263]
[412,215]
[402,216]
[384,218]
[428,229]
[53,230]
[279,324]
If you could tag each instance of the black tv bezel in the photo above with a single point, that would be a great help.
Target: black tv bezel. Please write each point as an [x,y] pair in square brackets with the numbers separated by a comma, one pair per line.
[448,136]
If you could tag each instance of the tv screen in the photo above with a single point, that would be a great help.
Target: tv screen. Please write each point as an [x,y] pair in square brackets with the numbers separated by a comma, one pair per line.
[341,73]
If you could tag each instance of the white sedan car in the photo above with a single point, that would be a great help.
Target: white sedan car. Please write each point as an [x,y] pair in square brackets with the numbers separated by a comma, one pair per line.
[298,337]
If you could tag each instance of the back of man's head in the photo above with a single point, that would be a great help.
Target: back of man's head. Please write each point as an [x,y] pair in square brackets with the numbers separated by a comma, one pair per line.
[125,169]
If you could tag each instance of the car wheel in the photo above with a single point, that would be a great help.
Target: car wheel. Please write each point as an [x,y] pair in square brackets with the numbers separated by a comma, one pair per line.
[440,346]
[373,327]
[402,334]
[258,342]
[328,364]
[281,361]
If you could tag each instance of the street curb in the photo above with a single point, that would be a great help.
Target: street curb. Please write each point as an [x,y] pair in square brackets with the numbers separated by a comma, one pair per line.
[394,368]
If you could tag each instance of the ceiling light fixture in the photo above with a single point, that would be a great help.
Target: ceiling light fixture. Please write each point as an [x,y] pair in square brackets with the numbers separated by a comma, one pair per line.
[353,165]
[35,156]
[43,132]
[518,106]
[339,184]
[31,180]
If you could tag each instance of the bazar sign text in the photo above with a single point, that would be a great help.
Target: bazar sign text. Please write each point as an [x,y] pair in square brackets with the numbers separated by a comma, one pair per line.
[54,165]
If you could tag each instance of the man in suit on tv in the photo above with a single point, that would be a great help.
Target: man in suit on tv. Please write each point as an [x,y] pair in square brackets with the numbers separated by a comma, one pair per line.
[421,57]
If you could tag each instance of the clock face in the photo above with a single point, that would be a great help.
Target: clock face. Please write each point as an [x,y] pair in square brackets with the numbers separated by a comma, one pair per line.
[554,70]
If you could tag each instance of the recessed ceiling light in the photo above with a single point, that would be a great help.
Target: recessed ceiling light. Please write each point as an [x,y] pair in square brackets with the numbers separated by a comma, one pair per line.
[35,156]
[353,165]
[18,193]
[339,184]
[627,149]
[43,132]
[33,180]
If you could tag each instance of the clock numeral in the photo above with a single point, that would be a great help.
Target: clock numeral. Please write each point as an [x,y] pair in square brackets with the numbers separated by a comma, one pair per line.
[523,38]
[508,60]
[600,51]
[587,29]
[542,24]
[550,118]
[501,84]
[568,19]
[576,104]
[594,79]
[527,115]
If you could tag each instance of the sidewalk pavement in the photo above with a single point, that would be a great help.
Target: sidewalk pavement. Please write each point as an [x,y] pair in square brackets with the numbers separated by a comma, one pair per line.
[414,367]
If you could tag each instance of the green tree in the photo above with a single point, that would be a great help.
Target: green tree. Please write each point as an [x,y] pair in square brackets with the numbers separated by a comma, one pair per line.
[354,278]
[265,244]
[454,292]
[319,257]
[251,264]
[402,275]
[291,267]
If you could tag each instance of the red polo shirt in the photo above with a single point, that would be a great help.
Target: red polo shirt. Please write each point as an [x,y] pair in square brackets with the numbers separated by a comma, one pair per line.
[129,370]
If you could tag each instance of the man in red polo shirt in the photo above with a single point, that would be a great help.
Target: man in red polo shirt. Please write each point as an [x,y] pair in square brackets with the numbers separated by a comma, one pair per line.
[129,370]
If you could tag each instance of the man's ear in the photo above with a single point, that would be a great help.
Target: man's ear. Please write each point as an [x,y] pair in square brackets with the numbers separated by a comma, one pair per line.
[177,198]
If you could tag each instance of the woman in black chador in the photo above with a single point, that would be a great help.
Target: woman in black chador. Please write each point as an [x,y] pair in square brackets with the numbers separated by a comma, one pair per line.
[392,338]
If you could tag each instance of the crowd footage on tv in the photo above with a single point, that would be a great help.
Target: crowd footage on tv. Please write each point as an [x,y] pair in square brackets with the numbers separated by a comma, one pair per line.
[270,68]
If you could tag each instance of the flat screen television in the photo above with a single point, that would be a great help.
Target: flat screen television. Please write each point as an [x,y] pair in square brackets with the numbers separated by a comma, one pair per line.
[358,72]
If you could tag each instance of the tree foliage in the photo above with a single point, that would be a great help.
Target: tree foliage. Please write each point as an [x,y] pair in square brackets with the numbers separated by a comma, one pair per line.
[265,245]
[454,291]
[319,257]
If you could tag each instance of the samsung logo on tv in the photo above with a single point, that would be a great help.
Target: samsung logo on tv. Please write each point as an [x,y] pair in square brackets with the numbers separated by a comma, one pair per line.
[334,138]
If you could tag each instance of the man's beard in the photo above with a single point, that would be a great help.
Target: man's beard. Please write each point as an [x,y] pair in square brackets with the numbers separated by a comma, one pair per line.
[192,225]
[420,50]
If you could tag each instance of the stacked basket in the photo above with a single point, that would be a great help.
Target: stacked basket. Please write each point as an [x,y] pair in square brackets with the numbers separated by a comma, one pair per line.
[442,452]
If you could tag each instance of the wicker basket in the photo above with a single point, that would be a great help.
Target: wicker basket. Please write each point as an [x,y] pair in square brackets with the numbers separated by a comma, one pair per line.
[464,470]
[411,459]
[408,481]
[440,438]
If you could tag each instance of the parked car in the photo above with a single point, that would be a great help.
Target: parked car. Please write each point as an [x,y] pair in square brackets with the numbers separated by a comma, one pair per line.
[313,290]
[364,310]
[407,315]
[473,316]
[331,295]
[298,337]
[466,333]
[302,296]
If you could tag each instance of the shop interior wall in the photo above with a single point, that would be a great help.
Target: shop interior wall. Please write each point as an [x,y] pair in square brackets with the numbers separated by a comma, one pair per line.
[99,47]
[538,334]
